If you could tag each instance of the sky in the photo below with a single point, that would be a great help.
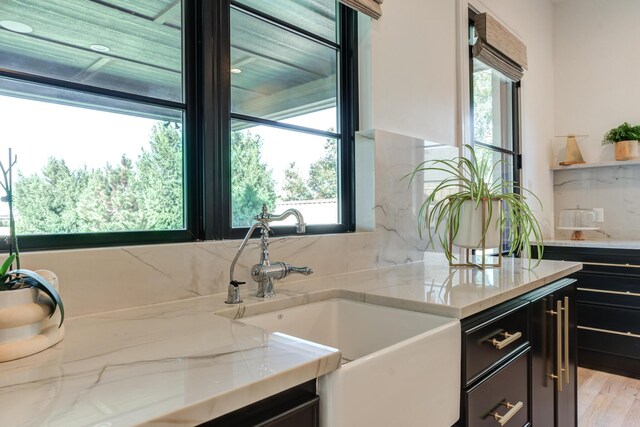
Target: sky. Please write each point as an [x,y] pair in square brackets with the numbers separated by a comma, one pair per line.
[38,130]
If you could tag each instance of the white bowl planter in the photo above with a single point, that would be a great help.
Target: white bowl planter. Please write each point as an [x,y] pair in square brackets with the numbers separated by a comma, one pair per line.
[25,326]
[471,225]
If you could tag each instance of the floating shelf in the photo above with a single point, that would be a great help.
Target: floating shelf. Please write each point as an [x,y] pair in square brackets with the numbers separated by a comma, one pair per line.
[597,165]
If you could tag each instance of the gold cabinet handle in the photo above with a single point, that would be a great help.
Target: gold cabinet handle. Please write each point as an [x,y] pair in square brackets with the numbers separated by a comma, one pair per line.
[508,339]
[566,339]
[512,410]
[558,375]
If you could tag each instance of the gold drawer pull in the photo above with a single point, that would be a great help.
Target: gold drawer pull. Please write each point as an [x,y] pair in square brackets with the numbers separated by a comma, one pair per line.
[603,291]
[513,409]
[508,339]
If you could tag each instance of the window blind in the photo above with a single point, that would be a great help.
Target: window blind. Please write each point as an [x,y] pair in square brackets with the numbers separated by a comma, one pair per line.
[371,8]
[497,47]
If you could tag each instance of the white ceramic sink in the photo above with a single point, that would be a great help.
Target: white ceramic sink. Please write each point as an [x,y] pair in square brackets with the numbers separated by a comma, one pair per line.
[400,368]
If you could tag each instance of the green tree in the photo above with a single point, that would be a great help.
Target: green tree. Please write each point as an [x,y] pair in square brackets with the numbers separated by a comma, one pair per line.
[295,186]
[110,201]
[323,174]
[252,182]
[160,173]
[46,202]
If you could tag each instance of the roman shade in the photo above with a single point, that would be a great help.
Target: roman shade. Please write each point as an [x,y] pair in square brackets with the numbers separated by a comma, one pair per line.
[497,47]
[368,7]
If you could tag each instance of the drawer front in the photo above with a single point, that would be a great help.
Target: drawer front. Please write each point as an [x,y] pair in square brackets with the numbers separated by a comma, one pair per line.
[609,289]
[616,319]
[492,342]
[609,342]
[508,386]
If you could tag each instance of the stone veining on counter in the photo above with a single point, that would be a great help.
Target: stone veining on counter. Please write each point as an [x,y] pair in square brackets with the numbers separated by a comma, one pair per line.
[179,363]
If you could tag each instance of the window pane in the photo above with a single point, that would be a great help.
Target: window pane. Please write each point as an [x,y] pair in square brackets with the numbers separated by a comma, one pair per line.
[492,107]
[315,16]
[82,169]
[124,45]
[283,169]
[503,171]
[279,74]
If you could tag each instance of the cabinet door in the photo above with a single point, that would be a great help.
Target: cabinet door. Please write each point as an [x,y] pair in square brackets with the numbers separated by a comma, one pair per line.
[566,403]
[553,367]
[543,351]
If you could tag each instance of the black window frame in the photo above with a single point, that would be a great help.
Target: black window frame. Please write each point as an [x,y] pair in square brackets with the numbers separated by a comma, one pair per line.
[206,133]
[515,154]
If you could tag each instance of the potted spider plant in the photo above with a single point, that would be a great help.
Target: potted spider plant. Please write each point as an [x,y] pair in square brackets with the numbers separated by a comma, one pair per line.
[468,208]
[625,139]
[28,299]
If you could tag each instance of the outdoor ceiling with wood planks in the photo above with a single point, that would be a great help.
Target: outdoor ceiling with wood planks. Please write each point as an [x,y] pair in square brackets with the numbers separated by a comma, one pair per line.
[279,70]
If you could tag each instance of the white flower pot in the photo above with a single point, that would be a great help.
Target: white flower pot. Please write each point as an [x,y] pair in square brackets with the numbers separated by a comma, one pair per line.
[25,325]
[471,227]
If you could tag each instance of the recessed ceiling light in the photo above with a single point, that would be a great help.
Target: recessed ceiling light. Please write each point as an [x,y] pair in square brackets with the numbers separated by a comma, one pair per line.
[99,48]
[16,27]
[236,70]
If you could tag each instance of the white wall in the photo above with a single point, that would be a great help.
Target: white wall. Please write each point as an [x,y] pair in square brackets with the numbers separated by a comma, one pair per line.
[597,70]
[408,70]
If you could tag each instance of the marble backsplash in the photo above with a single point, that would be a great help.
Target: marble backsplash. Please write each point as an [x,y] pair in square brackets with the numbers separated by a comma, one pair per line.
[616,189]
[102,279]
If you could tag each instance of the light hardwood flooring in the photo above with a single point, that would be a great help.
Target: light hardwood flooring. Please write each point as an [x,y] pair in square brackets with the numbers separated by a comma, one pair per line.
[606,400]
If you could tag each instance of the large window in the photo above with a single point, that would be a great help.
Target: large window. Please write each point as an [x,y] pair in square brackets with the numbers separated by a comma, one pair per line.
[124,133]
[289,140]
[494,112]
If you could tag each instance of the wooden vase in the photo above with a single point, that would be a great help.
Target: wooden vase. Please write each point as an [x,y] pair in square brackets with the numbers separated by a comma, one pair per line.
[626,150]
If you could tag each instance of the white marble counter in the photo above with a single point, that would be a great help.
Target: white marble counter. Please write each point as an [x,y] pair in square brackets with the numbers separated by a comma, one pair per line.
[180,364]
[607,244]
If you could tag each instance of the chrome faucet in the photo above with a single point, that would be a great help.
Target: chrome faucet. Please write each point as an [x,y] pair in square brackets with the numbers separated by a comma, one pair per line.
[265,272]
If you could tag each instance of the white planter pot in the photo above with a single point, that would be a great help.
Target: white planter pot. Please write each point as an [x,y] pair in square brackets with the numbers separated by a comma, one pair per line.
[20,317]
[25,326]
[471,227]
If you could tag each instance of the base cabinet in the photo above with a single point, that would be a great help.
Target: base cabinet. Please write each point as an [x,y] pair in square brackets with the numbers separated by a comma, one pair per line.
[296,407]
[608,307]
[519,361]
[553,362]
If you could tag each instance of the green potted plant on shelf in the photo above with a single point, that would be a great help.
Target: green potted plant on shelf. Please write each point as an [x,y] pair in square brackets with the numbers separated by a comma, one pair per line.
[625,139]
[468,208]
[27,323]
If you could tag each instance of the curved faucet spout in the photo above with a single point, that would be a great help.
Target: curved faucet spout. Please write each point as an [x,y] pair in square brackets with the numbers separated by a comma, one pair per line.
[301,226]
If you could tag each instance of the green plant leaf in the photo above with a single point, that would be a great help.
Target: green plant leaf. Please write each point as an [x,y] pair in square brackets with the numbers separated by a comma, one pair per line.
[7,264]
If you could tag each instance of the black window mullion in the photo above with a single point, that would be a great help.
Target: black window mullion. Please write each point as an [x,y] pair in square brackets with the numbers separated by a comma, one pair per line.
[348,113]
[286,126]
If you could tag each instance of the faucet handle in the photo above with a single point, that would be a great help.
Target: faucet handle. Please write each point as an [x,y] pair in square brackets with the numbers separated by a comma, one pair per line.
[299,270]
[233,292]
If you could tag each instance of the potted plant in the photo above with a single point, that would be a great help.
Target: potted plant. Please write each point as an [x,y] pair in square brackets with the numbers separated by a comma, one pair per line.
[27,325]
[625,137]
[468,208]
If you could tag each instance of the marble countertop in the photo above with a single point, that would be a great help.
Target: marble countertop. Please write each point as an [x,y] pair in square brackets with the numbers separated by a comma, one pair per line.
[607,244]
[185,362]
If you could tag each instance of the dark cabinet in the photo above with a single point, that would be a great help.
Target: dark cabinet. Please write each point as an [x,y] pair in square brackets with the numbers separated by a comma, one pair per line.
[608,307]
[553,361]
[296,407]
[519,361]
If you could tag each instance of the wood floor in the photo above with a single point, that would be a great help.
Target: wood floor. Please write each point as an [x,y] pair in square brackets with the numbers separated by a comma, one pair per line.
[606,400]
